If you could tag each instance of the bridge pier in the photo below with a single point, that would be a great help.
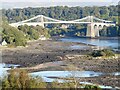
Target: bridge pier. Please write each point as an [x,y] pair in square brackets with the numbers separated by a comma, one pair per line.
[97,33]
[96,29]
[90,30]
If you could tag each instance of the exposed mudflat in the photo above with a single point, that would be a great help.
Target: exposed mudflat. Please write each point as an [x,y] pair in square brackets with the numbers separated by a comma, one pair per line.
[38,52]
[41,55]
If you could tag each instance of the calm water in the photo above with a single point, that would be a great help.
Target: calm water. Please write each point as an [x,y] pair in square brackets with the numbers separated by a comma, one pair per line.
[4,67]
[50,76]
[98,42]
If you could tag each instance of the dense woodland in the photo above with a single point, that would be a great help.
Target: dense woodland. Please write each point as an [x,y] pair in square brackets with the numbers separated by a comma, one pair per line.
[11,35]
[62,12]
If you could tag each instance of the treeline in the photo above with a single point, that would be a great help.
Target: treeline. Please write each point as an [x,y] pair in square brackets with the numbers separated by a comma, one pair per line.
[62,12]
[21,80]
[19,36]
[111,31]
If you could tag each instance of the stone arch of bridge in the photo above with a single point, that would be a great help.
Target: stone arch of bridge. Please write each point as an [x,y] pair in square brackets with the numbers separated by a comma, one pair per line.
[95,26]
[100,27]
[103,31]
[96,30]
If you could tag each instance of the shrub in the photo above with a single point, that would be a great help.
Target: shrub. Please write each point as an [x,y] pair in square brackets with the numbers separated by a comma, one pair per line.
[108,52]
[18,79]
[104,52]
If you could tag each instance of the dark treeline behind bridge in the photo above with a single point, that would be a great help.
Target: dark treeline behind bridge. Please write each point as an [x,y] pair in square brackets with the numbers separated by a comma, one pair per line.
[11,34]
[62,13]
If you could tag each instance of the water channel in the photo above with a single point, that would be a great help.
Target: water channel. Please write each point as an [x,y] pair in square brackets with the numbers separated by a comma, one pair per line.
[109,43]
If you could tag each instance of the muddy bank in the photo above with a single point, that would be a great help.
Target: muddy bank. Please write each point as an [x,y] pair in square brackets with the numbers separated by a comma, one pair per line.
[82,63]
[38,52]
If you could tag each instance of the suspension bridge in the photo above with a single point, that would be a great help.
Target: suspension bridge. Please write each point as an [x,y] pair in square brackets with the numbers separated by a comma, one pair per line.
[94,24]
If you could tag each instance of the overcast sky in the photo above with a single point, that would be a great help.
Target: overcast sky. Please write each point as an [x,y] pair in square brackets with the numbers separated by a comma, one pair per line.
[46,3]
[58,0]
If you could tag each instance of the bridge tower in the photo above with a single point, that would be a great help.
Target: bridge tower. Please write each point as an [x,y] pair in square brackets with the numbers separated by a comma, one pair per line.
[90,30]
[90,27]
[42,21]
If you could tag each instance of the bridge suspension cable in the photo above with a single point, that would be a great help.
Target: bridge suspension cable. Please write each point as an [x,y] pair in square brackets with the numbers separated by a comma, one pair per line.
[51,19]
[55,20]
[30,19]
[101,20]
[80,19]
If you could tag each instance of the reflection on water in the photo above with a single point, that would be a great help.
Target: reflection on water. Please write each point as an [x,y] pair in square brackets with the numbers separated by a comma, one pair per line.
[50,76]
[98,42]
[79,47]
[3,71]
[67,73]
[11,65]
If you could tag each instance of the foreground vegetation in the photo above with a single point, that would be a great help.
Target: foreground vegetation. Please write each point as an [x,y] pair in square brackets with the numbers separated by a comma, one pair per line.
[19,79]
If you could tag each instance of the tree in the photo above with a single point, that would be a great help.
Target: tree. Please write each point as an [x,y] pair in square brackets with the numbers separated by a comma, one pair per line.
[55,84]
[112,31]
[33,34]
[13,36]
[20,79]
[5,83]
[103,31]
[74,80]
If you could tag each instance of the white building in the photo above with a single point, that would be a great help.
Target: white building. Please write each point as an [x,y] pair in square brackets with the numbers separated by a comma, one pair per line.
[42,37]
[4,43]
